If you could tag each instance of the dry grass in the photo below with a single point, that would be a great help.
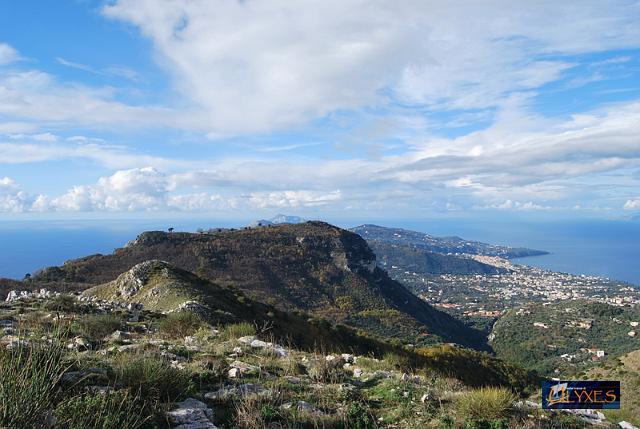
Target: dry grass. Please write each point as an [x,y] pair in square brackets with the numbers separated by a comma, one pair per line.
[486,403]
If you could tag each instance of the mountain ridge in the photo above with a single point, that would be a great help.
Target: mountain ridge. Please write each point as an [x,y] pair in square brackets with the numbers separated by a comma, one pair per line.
[312,267]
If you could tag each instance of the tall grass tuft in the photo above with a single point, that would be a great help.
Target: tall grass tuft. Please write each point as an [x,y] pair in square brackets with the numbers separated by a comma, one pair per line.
[152,377]
[180,324]
[237,330]
[29,378]
[96,327]
[101,410]
[486,403]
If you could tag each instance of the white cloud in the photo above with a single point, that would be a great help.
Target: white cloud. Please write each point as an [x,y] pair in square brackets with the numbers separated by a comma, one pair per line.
[147,189]
[38,98]
[113,71]
[632,204]
[8,54]
[45,147]
[12,198]
[128,190]
[259,65]
[293,199]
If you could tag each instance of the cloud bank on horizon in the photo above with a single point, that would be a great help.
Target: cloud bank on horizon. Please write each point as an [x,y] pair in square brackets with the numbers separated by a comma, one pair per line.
[404,107]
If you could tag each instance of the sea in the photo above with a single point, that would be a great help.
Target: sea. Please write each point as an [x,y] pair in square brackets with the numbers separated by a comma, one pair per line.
[606,248]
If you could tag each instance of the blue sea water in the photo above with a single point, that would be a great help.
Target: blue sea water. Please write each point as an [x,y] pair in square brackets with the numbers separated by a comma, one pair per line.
[597,247]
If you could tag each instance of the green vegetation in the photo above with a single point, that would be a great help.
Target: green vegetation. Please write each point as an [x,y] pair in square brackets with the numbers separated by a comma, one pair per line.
[575,329]
[96,327]
[486,403]
[625,368]
[236,330]
[103,410]
[29,376]
[152,377]
[180,324]
[133,379]
[425,262]
[313,268]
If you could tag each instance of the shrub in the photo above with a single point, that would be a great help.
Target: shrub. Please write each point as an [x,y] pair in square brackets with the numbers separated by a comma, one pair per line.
[110,410]
[324,371]
[62,302]
[399,362]
[357,416]
[237,330]
[180,324]
[29,376]
[486,403]
[96,327]
[152,377]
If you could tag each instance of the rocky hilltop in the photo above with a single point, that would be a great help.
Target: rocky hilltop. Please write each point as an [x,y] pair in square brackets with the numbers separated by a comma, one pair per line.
[311,267]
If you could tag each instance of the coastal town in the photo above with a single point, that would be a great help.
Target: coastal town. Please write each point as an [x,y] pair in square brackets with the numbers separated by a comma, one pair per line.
[490,295]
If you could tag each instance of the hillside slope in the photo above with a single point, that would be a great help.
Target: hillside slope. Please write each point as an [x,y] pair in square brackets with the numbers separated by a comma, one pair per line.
[311,267]
[162,288]
[445,245]
[625,368]
[564,335]
[424,262]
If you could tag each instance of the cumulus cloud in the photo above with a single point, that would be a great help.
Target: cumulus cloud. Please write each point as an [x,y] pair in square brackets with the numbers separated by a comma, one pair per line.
[129,190]
[259,65]
[147,189]
[632,204]
[12,198]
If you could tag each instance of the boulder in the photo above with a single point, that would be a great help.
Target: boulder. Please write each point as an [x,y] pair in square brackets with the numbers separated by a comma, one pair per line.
[191,414]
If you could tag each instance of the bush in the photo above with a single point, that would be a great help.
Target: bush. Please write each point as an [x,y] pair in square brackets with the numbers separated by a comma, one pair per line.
[180,324]
[110,410]
[358,416]
[152,377]
[63,302]
[398,362]
[29,376]
[96,327]
[237,330]
[486,403]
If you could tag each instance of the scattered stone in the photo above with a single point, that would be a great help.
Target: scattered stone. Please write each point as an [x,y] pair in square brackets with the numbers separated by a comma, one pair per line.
[249,389]
[293,380]
[246,340]
[591,416]
[259,344]
[79,344]
[119,336]
[346,387]
[302,406]
[128,347]
[626,425]
[73,377]
[357,372]
[349,358]
[234,373]
[244,368]
[191,414]
[425,398]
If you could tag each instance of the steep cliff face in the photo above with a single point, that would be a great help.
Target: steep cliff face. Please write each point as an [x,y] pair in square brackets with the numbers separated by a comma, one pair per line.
[312,267]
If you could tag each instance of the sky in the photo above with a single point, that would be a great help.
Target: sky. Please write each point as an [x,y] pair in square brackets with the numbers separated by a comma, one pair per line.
[335,107]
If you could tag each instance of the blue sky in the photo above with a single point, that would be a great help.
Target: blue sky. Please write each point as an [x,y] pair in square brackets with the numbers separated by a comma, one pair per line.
[333,108]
